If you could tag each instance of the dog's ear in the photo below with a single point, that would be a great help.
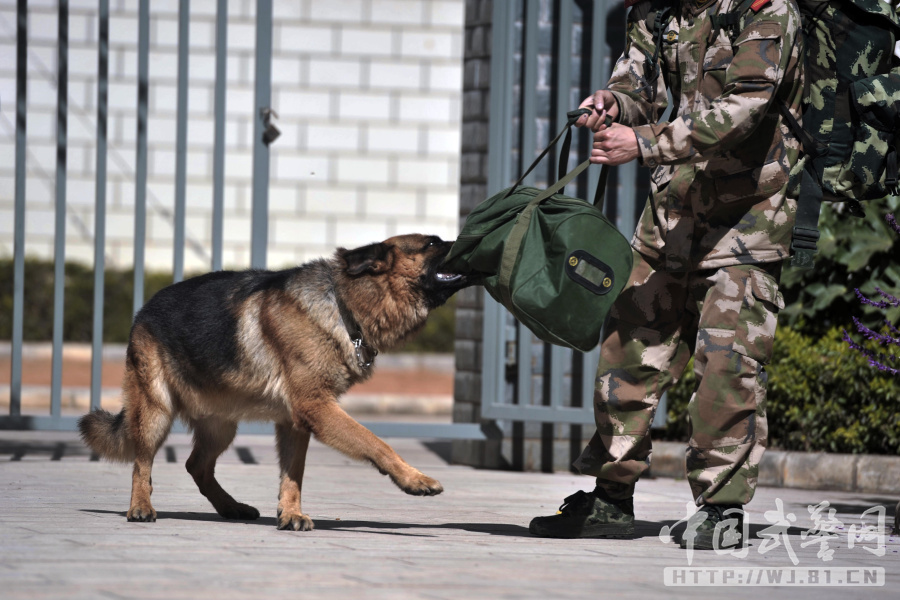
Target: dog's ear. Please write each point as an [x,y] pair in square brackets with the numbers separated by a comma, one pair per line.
[373,259]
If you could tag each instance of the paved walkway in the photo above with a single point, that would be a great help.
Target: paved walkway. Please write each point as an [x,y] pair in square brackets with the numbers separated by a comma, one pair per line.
[63,534]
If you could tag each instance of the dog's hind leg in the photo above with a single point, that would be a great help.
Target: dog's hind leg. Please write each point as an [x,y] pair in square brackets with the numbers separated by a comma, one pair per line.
[149,418]
[292,445]
[211,438]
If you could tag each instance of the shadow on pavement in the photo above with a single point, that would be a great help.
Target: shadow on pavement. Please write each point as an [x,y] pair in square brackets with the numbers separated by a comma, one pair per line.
[676,529]
[331,525]
[501,529]
[643,529]
[442,449]
[17,450]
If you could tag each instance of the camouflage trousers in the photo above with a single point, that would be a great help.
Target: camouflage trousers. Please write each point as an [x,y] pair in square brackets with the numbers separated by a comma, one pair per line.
[725,318]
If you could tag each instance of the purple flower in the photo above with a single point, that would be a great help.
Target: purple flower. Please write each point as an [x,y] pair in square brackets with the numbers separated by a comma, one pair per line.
[893,223]
[883,361]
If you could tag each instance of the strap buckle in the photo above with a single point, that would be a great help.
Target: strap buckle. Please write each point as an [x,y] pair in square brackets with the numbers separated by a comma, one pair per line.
[803,247]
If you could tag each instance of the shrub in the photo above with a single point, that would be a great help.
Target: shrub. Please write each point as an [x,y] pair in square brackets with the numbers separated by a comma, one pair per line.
[439,331]
[118,291]
[854,253]
[820,398]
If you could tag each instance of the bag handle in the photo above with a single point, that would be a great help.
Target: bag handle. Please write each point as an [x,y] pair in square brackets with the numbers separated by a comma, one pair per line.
[599,193]
[572,116]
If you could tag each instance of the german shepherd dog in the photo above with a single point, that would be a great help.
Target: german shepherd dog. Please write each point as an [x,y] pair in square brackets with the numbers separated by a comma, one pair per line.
[279,346]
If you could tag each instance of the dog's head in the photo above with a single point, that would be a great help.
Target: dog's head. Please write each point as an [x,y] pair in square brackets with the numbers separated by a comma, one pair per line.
[413,260]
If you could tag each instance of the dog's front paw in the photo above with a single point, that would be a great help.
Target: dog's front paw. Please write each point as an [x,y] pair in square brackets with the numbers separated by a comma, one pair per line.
[295,521]
[239,511]
[142,513]
[420,484]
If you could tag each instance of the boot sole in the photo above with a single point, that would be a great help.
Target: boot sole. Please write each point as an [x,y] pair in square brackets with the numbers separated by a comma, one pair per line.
[706,543]
[596,531]
[608,531]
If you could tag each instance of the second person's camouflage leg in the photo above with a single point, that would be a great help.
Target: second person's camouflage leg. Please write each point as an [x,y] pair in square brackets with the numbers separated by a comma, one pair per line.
[738,316]
[643,353]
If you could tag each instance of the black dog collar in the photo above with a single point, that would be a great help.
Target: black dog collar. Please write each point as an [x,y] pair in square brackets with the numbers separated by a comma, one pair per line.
[365,354]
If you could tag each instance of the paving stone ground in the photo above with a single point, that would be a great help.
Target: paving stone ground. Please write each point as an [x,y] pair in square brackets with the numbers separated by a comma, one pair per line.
[63,533]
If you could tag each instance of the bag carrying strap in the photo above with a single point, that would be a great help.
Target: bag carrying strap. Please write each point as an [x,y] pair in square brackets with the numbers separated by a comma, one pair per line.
[806,223]
[566,131]
[651,63]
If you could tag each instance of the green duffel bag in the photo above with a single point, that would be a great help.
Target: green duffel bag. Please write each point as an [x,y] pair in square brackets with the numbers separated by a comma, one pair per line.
[554,261]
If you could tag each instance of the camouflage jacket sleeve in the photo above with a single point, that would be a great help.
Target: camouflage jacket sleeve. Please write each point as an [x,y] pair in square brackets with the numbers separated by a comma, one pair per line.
[762,53]
[640,100]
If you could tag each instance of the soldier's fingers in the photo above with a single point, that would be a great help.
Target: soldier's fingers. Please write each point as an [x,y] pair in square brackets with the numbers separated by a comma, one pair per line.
[599,158]
[597,121]
[599,100]
[586,120]
[586,103]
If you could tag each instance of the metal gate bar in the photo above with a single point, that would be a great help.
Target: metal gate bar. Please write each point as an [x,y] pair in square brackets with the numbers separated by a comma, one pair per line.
[140,181]
[262,104]
[59,242]
[218,212]
[15,388]
[528,150]
[184,15]
[100,204]
[447,431]
[559,356]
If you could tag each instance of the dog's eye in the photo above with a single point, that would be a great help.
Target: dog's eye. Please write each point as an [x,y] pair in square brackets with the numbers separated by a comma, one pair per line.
[433,242]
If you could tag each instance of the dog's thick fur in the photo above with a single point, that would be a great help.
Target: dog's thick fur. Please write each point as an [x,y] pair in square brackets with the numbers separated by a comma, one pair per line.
[270,345]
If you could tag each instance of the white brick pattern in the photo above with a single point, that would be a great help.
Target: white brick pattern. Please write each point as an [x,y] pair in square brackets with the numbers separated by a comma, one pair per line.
[368,94]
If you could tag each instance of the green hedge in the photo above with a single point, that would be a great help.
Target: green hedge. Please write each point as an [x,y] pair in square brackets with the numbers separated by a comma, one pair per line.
[821,397]
[118,292]
[854,253]
[437,336]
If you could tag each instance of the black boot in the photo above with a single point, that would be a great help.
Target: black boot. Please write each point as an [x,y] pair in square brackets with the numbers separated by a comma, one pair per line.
[715,526]
[588,515]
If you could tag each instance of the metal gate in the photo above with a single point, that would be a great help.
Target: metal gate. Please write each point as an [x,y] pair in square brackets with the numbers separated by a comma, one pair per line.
[547,56]
[264,134]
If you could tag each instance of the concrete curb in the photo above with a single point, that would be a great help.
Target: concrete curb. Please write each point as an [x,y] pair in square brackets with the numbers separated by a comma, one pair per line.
[864,473]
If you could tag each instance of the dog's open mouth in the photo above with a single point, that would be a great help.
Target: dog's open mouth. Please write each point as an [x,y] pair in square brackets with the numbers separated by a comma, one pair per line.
[448,277]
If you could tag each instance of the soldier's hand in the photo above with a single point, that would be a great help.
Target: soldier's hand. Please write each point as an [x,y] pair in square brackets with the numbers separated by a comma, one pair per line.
[614,145]
[602,104]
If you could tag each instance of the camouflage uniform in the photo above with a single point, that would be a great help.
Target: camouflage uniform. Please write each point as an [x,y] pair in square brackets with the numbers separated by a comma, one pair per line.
[709,245]
[853,117]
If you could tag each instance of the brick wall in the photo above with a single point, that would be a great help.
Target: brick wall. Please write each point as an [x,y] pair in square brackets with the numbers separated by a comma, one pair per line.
[473,190]
[368,94]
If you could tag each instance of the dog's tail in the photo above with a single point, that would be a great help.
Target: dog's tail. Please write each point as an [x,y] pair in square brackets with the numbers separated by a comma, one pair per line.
[107,435]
